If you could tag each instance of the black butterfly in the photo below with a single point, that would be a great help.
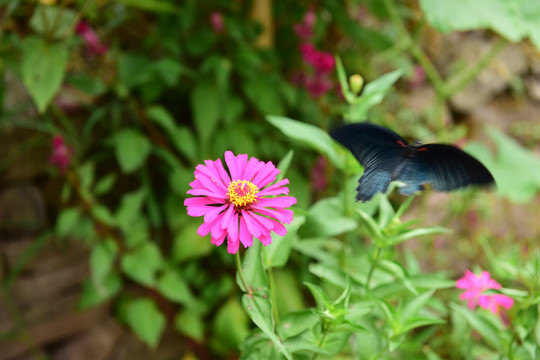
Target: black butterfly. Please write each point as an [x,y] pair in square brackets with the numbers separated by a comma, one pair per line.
[386,157]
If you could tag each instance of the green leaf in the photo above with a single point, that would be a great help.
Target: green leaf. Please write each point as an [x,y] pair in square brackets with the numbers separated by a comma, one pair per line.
[253,269]
[308,135]
[97,292]
[143,263]
[188,244]
[373,94]
[102,259]
[261,90]
[416,322]
[394,240]
[105,184]
[513,19]
[321,299]
[131,149]
[190,323]
[327,218]
[516,170]
[284,164]
[67,220]
[277,253]
[259,309]
[151,5]
[185,141]
[295,323]
[145,319]
[162,117]
[129,211]
[175,288]
[231,323]
[47,18]
[258,346]
[207,109]
[43,68]
[413,307]
[479,323]
[342,76]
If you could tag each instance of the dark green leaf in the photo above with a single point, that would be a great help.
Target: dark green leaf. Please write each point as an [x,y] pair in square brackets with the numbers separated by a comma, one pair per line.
[131,149]
[143,263]
[277,253]
[175,288]
[94,293]
[206,107]
[102,259]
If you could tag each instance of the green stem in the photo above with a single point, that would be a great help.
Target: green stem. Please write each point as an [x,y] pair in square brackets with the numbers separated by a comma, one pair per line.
[416,50]
[325,332]
[241,274]
[463,78]
[272,288]
[376,253]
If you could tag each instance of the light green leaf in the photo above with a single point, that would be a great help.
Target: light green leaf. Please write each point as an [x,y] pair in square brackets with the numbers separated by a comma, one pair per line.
[162,117]
[67,221]
[129,211]
[374,92]
[131,149]
[43,68]
[189,245]
[516,170]
[97,292]
[277,253]
[175,288]
[394,240]
[151,5]
[47,18]
[486,328]
[105,184]
[253,269]
[308,135]
[327,218]
[231,323]
[342,77]
[190,323]
[259,309]
[143,263]
[145,319]
[513,19]
[102,259]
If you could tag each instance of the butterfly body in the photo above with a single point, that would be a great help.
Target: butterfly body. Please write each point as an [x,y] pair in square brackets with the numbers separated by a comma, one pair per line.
[387,157]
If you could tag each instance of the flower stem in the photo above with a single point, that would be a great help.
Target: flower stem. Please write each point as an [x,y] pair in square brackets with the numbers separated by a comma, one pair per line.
[272,289]
[241,274]
[321,342]
[373,265]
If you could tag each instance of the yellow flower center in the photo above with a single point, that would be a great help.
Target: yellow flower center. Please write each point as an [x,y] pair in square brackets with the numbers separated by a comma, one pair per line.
[242,193]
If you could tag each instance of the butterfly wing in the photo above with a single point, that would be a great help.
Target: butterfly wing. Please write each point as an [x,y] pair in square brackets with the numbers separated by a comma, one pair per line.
[376,148]
[445,167]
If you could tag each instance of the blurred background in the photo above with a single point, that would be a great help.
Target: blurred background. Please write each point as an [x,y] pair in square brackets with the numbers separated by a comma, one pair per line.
[106,107]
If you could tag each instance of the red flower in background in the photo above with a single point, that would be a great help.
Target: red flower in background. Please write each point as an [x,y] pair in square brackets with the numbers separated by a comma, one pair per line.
[93,43]
[61,154]
[320,64]
[216,20]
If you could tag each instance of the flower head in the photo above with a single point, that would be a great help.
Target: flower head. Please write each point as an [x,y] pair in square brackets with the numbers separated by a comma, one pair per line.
[216,20]
[475,285]
[61,154]
[240,203]
[304,29]
[93,43]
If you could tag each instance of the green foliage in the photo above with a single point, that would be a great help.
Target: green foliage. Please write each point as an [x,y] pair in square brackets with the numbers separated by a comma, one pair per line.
[348,280]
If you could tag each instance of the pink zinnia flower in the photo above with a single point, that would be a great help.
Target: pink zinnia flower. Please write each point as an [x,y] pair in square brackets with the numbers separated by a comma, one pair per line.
[93,43]
[216,20]
[475,285]
[61,154]
[239,204]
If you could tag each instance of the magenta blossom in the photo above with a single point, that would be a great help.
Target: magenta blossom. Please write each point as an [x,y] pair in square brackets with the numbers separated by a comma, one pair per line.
[61,154]
[216,20]
[93,43]
[241,203]
[321,61]
[304,30]
[475,285]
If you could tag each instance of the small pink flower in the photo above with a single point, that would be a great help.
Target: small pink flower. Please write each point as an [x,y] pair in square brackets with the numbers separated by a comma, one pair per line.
[241,203]
[61,154]
[304,29]
[475,285]
[418,78]
[216,20]
[317,85]
[93,43]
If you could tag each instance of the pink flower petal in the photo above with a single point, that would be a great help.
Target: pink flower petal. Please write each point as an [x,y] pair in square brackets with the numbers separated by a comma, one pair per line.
[279,202]
[245,237]
[205,192]
[275,189]
[253,166]
[278,228]
[232,246]
[211,176]
[230,159]
[263,174]
[241,162]
[282,215]
[227,217]
[252,225]
[219,240]
[265,239]
[232,228]
[214,213]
